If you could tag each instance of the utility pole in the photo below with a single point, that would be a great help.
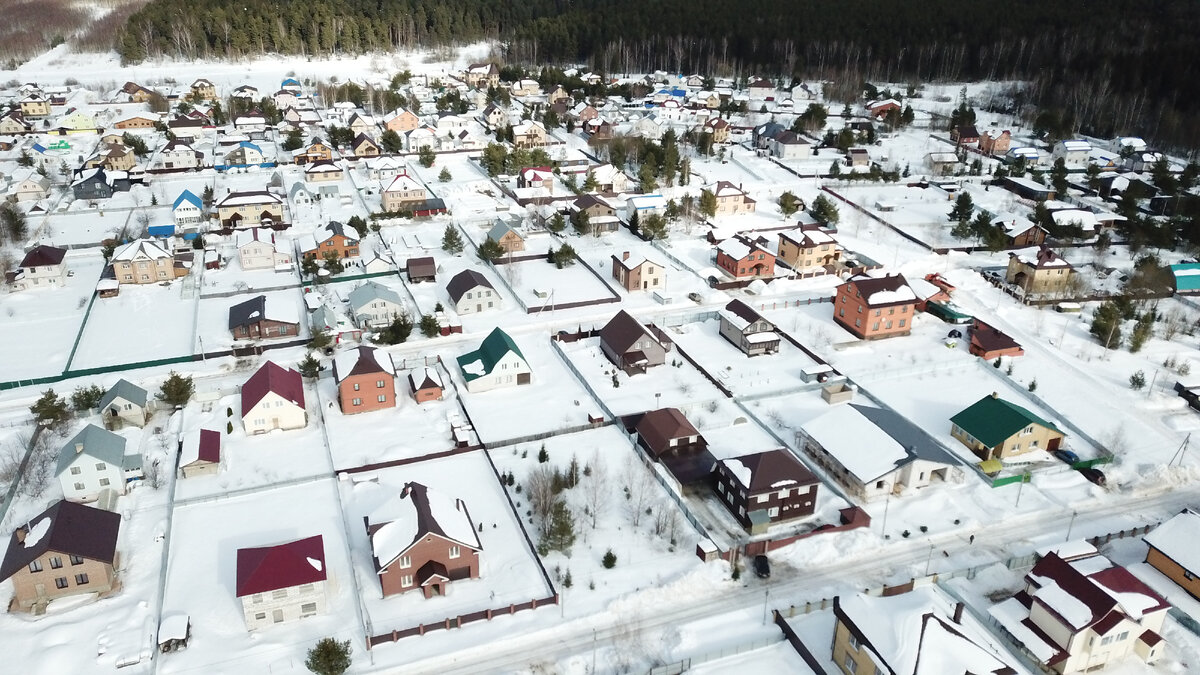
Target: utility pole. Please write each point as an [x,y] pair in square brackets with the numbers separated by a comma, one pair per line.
[766,595]
[1071,525]
[1021,486]
[887,502]
[929,559]
[1180,452]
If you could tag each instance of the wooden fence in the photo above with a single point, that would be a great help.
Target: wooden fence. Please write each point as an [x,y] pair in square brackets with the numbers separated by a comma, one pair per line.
[460,620]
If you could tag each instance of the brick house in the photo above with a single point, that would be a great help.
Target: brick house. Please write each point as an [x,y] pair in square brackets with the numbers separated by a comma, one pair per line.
[875,307]
[638,274]
[403,193]
[990,343]
[143,261]
[282,583]
[68,549]
[1081,613]
[747,330]
[273,398]
[629,345]
[808,249]
[964,134]
[366,380]
[1173,550]
[993,428]
[400,121]
[765,487]
[264,317]
[423,539]
[331,237]
[1040,274]
[995,143]
[1019,231]
[743,258]
[425,384]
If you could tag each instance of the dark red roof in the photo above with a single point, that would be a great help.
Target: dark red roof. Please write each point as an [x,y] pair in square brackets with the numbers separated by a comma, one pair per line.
[869,286]
[1121,580]
[1150,638]
[43,256]
[260,570]
[1075,584]
[210,446]
[990,339]
[285,382]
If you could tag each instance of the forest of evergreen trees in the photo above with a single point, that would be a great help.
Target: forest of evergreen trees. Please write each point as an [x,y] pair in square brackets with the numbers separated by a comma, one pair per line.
[1125,66]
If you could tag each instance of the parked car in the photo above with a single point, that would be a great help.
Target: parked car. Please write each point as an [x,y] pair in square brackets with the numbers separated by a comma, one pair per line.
[1066,456]
[762,567]
[695,297]
[1094,475]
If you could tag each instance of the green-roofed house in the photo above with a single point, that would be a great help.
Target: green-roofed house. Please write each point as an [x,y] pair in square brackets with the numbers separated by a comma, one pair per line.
[124,403]
[94,462]
[497,363]
[995,429]
[1187,278]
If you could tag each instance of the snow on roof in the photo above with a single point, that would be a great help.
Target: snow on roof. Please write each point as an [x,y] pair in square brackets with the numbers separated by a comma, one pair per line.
[1011,614]
[648,202]
[419,376]
[734,248]
[1085,219]
[200,444]
[741,471]
[280,308]
[173,627]
[473,368]
[1073,610]
[36,532]
[1075,145]
[1177,537]
[246,198]
[856,443]
[902,294]
[1070,550]
[923,289]
[142,246]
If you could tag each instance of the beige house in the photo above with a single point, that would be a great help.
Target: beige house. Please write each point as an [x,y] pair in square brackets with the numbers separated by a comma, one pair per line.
[273,398]
[32,188]
[258,250]
[401,120]
[638,273]
[203,90]
[403,193]
[143,261]
[278,584]
[35,107]
[1044,273]
[808,250]
[250,209]
[200,453]
[482,75]
[731,200]
[529,134]
[68,549]
[995,429]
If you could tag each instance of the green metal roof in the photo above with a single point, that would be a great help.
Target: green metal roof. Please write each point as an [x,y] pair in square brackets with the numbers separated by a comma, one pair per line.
[991,420]
[494,347]
[1187,276]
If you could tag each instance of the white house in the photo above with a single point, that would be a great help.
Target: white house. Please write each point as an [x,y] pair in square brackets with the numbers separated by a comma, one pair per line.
[188,209]
[180,155]
[124,403]
[273,398]
[497,363]
[1074,153]
[374,305]
[258,250]
[94,461]
[645,206]
[470,292]
[282,583]
[32,187]
[42,267]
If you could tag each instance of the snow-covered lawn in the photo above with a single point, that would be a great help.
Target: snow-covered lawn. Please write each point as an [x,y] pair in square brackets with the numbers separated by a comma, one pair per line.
[213,318]
[232,278]
[144,322]
[743,375]
[38,326]
[538,283]
[202,575]
[659,387]
[508,570]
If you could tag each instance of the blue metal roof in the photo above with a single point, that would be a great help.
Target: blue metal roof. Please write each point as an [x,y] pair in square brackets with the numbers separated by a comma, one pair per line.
[1187,276]
[188,197]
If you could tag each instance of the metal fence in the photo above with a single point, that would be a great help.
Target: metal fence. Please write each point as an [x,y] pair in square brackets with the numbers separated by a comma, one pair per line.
[685,665]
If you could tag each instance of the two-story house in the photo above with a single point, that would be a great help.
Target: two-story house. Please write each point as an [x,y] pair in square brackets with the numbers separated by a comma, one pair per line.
[42,267]
[743,258]
[747,330]
[264,317]
[366,380]
[258,250]
[333,236]
[401,120]
[482,75]
[809,249]
[638,273]
[94,462]
[1040,274]
[403,193]
[178,154]
[503,233]
[143,261]
[470,292]
[765,487]
[273,398]
[529,134]
[188,209]
[731,199]
[251,208]
[125,403]
[875,307]
[68,549]
[629,345]
[497,363]
[993,428]
[423,539]
[282,583]
[375,306]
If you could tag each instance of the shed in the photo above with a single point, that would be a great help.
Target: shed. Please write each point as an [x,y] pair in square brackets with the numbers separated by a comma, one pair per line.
[174,632]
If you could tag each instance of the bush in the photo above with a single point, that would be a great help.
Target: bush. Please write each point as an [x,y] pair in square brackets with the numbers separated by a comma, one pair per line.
[329,657]
[543,456]
[1033,385]
[228,428]
[1137,381]
[86,398]
[610,560]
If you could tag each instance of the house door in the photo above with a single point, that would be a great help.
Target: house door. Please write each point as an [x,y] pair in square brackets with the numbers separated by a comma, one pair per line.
[435,590]
[277,616]
[40,590]
[274,422]
[479,308]
[1053,444]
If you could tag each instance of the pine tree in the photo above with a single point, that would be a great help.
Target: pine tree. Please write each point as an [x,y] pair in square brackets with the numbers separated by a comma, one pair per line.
[451,240]
[445,176]
[429,326]
[176,390]
[329,657]
[50,410]
[708,203]
[398,331]
[490,250]
[557,224]
[558,530]
[824,210]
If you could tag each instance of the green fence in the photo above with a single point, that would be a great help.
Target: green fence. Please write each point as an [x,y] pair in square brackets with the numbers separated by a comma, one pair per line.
[1009,480]
[355,277]
[1089,463]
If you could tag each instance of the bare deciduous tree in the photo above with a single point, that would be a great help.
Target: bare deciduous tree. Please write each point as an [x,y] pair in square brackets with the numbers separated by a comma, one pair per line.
[639,492]
[540,490]
[595,489]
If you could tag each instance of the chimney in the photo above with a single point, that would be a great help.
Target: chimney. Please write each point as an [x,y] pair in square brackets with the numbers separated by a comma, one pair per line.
[21,532]
[995,395]
[625,255]
[78,448]
[958,610]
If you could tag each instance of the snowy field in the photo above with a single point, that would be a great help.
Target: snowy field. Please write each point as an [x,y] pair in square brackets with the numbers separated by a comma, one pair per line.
[538,283]
[144,322]
[743,375]
[213,318]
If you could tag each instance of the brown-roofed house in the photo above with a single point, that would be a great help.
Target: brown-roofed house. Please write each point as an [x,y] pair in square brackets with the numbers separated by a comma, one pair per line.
[766,487]
[990,343]
[747,330]
[1042,273]
[68,549]
[366,380]
[671,440]
[629,345]
[421,269]
[875,307]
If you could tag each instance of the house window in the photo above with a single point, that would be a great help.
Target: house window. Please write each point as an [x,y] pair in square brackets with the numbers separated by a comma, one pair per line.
[877,312]
[55,562]
[76,560]
[257,598]
[75,471]
[1106,641]
[308,609]
[842,311]
[854,643]
[60,582]
[851,666]
[875,326]
[100,466]
[902,323]
[35,566]
[356,386]
[761,498]
[858,323]
[81,579]
[773,512]
[455,552]
[306,588]
[783,494]
[279,594]
[379,384]
[406,580]
[357,401]
[103,482]
[405,561]
[878,485]
[1123,636]
[260,616]
[79,486]
[382,398]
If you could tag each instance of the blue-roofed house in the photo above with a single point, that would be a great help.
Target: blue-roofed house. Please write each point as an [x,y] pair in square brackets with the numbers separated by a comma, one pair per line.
[504,233]
[290,83]
[1187,278]
[188,209]
[245,154]
[124,402]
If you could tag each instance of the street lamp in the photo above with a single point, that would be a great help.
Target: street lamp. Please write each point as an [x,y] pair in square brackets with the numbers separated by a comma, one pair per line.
[929,559]
[766,595]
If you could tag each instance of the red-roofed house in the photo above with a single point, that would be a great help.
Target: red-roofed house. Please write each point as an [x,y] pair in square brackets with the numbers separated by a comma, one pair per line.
[273,398]
[990,343]
[875,307]
[1084,613]
[42,266]
[423,539]
[425,383]
[281,583]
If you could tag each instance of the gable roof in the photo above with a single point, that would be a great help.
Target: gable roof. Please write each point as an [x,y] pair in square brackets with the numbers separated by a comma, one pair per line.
[991,420]
[187,197]
[493,348]
[362,361]
[742,315]
[370,292]
[67,528]
[92,441]
[200,445]
[892,289]
[260,308]
[416,512]
[501,228]
[622,332]
[271,377]
[770,470]
[126,390]
[43,256]
[464,281]
[1177,538]
[424,377]
[270,568]
[658,427]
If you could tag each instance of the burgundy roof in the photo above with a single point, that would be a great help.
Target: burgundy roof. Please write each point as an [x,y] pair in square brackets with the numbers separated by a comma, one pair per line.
[991,339]
[74,529]
[869,286]
[272,378]
[43,256]
[270,568]
[210,446]
[1074,583]
[1121,580]
[365,364]
[1150,638]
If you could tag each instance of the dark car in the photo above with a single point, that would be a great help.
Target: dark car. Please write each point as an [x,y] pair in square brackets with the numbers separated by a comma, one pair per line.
[762,567]
[1066,456]
[1094,475]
